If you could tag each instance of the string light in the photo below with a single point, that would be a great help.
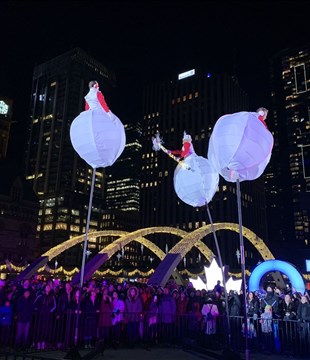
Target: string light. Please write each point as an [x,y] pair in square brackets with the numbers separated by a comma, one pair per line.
[188,240]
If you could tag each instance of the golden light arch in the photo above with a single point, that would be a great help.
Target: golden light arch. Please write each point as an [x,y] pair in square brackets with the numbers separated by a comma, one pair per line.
[164,270]
[125,238]
[191,239]
[188,240]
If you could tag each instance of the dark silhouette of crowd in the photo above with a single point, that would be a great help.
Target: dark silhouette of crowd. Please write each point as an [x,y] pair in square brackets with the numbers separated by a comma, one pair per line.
[52,314]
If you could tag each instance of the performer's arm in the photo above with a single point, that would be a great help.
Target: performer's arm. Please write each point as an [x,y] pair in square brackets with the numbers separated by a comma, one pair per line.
[86,105]
[261,118]
[186,147]
[175,152]
[102,101]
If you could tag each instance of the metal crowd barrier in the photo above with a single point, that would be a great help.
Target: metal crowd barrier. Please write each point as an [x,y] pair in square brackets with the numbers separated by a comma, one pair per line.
[51,332]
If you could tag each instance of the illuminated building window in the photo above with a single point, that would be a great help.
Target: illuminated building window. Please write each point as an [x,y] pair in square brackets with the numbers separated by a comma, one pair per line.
[74,228]
[178,100]
[196,94]
[47,227]
[190,96]
[166,173]
[300,78]
[184,98]
[61,226]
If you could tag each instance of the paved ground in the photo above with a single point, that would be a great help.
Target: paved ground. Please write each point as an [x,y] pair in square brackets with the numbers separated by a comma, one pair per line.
[142,354]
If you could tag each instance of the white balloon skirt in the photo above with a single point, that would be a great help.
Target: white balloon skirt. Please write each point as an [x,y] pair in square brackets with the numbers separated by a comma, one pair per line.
[240,146]
[98,137]
[195,180]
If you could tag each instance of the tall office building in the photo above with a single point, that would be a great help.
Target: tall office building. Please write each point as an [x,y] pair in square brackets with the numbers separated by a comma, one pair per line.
[60,178]
[192,103]
[288,181]
[123,200]
[18,202]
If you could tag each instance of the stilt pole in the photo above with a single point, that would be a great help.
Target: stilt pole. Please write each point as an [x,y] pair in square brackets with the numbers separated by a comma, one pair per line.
[245,320]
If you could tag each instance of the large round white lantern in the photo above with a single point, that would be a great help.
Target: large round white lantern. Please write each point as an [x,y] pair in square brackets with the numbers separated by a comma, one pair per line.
[240,146]
[98,137]
[195,180]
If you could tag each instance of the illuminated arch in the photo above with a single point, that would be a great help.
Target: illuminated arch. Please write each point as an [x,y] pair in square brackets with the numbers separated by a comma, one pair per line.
[276,265]
[138,236]
[188,240]
[176,254]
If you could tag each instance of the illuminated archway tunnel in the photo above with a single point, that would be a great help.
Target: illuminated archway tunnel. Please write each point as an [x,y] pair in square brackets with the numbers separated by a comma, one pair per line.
[276,265]
[169,261]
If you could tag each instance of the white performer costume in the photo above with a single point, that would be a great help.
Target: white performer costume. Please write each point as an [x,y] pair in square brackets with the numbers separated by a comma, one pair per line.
[97,134]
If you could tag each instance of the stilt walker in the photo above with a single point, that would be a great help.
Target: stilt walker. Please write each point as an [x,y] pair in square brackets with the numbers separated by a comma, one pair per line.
[195,183]
[98,136]
[240,149]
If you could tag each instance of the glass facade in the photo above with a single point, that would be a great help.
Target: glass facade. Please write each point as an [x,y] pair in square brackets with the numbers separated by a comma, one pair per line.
[288,183]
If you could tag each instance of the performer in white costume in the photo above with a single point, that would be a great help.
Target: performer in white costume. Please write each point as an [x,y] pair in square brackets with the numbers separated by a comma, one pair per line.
[97,135]
[240,145]
[195,179]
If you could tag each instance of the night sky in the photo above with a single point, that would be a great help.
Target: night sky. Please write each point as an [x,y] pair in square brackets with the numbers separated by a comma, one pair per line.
[143,41]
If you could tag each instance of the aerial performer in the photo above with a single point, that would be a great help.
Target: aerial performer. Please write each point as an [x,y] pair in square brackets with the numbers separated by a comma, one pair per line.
[240,149]
[187,148]
[240,145]
[195,179]
[97,134]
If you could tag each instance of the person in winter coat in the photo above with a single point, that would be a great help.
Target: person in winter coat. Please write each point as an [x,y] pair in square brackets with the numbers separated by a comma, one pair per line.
[252,309]
[105,317]
[90,311]
[45,306]
[210,313]
[63,305]
[303,317]
[133,314]
[271,299]
[182,311]
[267,329]
[234,310]
[24,313]
[167,315]
[118,309]
[152,321]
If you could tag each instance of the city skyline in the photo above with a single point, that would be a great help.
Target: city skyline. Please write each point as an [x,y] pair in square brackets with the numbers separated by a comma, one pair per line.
[146,42]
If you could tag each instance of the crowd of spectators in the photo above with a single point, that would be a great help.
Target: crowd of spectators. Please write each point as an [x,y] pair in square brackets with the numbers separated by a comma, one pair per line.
[54,314]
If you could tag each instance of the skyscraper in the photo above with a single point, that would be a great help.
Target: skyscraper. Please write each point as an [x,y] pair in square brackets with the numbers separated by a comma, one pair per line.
[193,102]
[60,178]
[288,181]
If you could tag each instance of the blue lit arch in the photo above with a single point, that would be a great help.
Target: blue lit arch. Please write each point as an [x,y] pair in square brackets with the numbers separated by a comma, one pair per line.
[276,265]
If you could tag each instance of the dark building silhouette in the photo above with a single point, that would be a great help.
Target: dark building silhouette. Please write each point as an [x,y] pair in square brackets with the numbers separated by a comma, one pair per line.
[288,178]
[193,103]
[19,208]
